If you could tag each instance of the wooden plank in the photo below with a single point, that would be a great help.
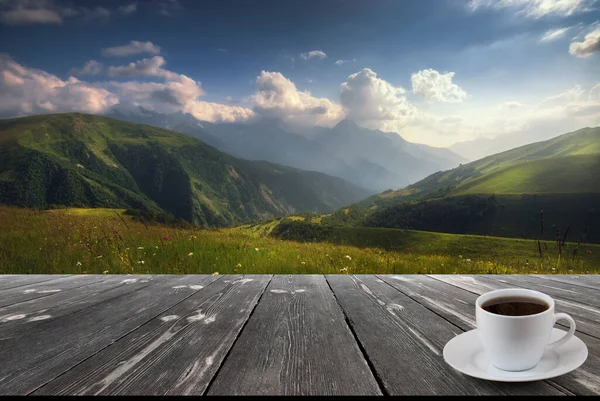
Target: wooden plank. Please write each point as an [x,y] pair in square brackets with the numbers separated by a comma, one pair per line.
[582,381]
[583,280]
[8,281]
[26,315]
[587,317]
[45,289]
[176,353]
[404,342]
[454,304]
[555,289]
[295,343]
[32,360]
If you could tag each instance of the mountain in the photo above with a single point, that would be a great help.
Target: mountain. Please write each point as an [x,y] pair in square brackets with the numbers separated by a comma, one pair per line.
[406,162]
[180,122]
[87,160]
[501,194]
[481,147]
[368,158]
[560,165]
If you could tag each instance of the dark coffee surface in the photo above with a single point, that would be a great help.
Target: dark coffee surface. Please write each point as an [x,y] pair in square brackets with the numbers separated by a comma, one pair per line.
[515,306]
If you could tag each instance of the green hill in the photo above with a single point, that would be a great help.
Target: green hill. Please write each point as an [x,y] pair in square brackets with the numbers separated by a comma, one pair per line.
[92,161]
[568,174]
[558,165]
[500,195]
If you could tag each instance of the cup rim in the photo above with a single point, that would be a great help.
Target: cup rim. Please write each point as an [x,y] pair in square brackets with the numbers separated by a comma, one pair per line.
[515,291]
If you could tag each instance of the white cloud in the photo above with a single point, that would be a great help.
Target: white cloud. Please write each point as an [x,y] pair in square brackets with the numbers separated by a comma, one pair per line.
[537,8]
[510,105]
[434,86]
[574,94]
[27,12]
[134,47]
[318,54]
[167,8]
[554,34]
[374,102]
[25,16]
[30,91]
[594,94]
[92,67]
[173,96]
[590,44]
[128,8]
[150,67]
[573,103]
[342,62]
[25,90]
[278,97]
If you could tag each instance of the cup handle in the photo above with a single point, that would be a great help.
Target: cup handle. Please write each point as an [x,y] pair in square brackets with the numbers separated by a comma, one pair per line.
[566,337]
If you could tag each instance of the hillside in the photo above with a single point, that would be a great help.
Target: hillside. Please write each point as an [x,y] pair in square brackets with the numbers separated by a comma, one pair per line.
[500,194]
[371,159]
[87,160]
[559,165]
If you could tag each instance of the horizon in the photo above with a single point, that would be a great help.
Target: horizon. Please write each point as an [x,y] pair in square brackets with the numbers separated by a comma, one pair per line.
[516,71]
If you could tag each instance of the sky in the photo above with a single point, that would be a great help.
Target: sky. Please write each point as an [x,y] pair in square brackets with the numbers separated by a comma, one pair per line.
[435,72]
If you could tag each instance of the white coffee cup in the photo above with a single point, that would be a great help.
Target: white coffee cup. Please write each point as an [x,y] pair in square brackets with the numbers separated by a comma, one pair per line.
[517,343]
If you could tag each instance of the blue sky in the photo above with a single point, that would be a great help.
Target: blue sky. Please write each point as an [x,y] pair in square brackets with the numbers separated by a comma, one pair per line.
[493,50]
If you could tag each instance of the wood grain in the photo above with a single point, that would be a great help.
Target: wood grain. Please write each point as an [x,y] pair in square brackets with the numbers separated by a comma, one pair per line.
[583,280]
[57,346]
[8,281]
[587,317]
[198,334]
[582,381]
[176,353]
[404,342]
[296,343]
[555,289]
[40,311]
[46,289]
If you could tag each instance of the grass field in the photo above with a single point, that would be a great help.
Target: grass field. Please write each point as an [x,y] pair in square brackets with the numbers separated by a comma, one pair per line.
[93,241]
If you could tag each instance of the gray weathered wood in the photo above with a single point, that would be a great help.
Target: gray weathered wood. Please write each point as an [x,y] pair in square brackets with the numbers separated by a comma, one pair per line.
[404,342]
[584,380]
[176,353]
[295,343]
[8,281]
[586,316]
[71,339]
[555,289]
[46,289]
[164,334]
[583,280]
[25,316]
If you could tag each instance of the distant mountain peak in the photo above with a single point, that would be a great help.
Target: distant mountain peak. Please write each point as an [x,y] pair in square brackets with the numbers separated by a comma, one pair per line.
[347,124]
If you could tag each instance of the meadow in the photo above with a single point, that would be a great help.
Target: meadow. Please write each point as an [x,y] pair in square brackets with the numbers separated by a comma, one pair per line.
[105,241]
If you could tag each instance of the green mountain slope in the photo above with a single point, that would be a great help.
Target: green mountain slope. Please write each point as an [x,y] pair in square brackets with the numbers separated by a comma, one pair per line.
[500,195]
[572,153]
[79,159]
[568,174]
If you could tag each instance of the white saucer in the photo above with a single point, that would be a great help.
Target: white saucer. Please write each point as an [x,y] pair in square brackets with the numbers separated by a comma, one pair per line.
[465,354]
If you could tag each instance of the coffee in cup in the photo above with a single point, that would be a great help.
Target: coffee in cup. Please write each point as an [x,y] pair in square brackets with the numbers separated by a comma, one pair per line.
[514,327]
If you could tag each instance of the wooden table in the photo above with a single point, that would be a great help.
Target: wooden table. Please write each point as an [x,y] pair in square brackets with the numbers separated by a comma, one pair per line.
[263,334]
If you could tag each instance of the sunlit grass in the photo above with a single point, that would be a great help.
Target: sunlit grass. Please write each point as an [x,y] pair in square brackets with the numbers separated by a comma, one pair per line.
[99,241]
